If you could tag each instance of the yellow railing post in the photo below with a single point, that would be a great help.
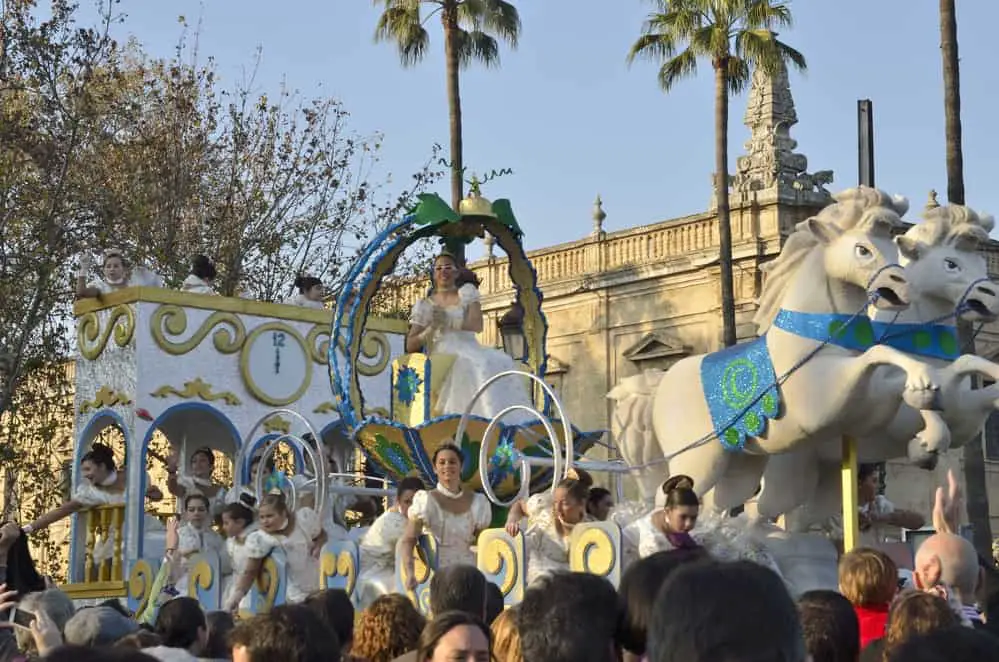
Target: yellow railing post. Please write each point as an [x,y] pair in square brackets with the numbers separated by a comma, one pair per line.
[117,523]
[851,509]
[88,561]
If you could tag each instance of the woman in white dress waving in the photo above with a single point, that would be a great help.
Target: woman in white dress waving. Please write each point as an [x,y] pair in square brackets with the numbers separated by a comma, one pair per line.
[446,322]
[310,293]
[454,515]
[378,545]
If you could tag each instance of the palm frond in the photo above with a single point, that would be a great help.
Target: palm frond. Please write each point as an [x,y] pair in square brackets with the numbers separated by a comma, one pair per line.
[653,47]
[675,69]
[767,14]
[791,55]
[476,46]
[400,23]
[502,20]
[737,74]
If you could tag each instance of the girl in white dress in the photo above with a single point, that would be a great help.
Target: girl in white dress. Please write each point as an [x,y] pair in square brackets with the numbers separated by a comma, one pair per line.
[198,481]
[310,293]
[446,322]
[201,278]
[454,515]
[238,526]
[299,534]
[549,529]
[102,485]
[196,536]
[116,276]
[377,576]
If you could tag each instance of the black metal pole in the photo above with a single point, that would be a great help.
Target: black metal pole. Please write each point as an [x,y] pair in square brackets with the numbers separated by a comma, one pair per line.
[865,142]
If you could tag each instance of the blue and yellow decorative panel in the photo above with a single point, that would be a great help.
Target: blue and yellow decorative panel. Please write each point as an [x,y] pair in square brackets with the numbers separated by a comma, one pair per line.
[339,565]
[396,450]
[141,577]
[595,547]
[424,566]
[416,384]
[269,589]
[205,580]
[503,560]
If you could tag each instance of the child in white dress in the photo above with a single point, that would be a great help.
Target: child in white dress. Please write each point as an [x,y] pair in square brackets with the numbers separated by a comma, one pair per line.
[550,528]
[377,576]
[239,527]
[196,536]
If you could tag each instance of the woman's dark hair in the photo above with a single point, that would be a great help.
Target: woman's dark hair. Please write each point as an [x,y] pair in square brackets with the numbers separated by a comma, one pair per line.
[334,608]
[466,277]
[22,576]
[275,501]
[865,471]
[441,625]
[203,268]
[306,283]
[448,446]
[597,494]
[220,624]
[238,511]
[178,622]
[115,604]
[409,484]
[207,452]
[679,491]
[639,587]
[830,626]
[575,489]
[114,252]
[197,497]
[101,455]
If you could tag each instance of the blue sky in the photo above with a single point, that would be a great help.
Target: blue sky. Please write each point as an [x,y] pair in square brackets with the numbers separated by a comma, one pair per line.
[572,119]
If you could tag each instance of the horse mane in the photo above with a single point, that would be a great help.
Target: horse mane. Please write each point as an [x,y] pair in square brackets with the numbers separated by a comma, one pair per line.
[954,225]
[852,208]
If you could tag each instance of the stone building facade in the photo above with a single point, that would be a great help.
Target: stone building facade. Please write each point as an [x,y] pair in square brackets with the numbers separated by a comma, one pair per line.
[622,302]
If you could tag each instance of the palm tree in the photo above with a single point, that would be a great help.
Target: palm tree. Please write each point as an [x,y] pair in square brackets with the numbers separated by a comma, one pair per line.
[736,36]
[471,28]
[975,481]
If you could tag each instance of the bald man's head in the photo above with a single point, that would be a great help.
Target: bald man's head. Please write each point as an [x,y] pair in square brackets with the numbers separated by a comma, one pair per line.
[958,562]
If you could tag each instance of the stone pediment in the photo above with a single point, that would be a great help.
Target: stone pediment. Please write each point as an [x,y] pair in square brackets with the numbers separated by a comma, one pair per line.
[656,346]
[555,367]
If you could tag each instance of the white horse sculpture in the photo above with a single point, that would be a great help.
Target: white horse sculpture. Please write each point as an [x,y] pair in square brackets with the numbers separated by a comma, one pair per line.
[948,278]
[811,375]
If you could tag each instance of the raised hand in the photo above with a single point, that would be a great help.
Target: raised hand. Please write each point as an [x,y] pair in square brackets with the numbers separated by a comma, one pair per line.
[948,506]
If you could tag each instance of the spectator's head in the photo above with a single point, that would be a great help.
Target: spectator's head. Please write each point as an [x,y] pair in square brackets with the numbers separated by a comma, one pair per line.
[220,626]
[334,608]
[55,604]
[115,604]
[948,645]
[389,627]
[599,503]
[916,613]
[494,602]
[958,563]
[140,640]
[569,617]
[506,637]
[181,624]
[830,626]
[75,653]
[458,588]
[868,577]
[98,626]
[639,587]
[290,633]
[454,635]
[723,612]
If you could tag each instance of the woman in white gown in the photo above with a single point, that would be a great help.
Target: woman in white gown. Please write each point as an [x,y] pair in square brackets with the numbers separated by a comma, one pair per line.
[196,536]
[201,278]
[115,276]
[454,515]
[299,534]
[550,527]
[310,293]
[198,481]
[102,485]
[446,323]
[377,576]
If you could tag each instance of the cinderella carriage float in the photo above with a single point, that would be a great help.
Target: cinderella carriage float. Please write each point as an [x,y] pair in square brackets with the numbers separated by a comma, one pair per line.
[856,359]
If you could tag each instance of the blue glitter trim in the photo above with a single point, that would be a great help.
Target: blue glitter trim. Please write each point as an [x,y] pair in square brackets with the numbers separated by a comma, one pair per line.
[934,341]
[854,332]
[740,387]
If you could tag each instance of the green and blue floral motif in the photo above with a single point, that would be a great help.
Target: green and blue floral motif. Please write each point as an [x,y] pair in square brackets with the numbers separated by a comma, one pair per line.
[407,385]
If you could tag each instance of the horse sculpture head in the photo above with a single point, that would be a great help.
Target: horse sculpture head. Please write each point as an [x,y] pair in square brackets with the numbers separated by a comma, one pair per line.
[854,235]
[942,258]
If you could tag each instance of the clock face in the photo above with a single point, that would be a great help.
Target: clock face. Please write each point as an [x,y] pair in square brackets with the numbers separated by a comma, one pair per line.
[276,365]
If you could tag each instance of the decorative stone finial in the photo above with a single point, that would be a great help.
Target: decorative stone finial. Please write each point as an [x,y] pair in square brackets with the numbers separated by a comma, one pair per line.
[598,216]
[932,202]
[489,241]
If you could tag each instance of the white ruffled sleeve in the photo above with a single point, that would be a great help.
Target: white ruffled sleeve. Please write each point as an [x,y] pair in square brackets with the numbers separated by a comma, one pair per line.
[482,513]
[468,294]
[260,544]
[308,520]
[89,496]
[188,540]
[422,313]
[419,511]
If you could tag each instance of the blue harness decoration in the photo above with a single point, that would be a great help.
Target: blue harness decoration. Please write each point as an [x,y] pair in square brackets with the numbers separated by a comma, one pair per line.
[935,341]
[847,331]
[740,387]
